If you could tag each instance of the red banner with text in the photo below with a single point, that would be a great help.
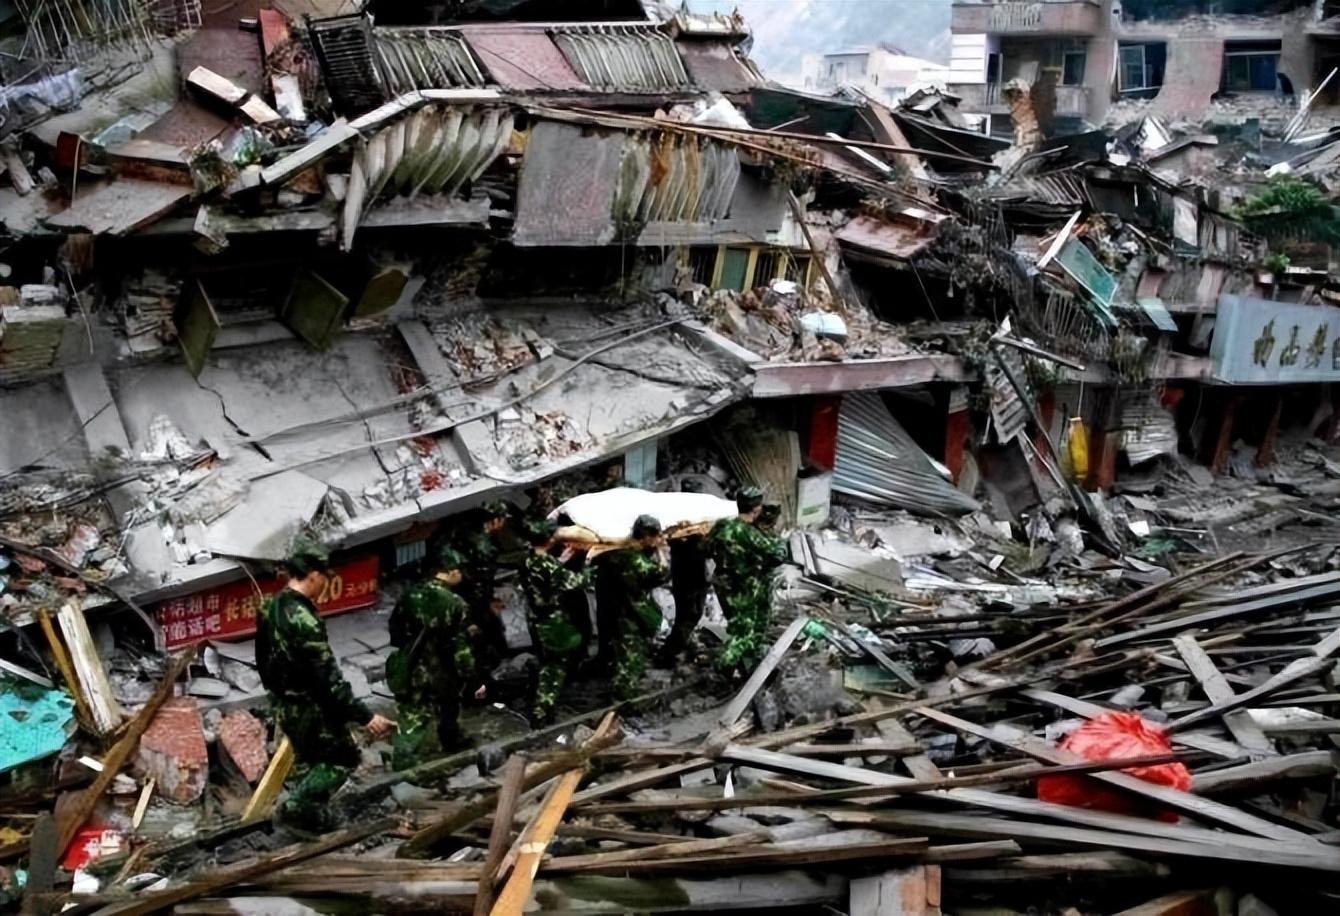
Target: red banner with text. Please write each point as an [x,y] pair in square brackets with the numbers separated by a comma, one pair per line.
[229,611]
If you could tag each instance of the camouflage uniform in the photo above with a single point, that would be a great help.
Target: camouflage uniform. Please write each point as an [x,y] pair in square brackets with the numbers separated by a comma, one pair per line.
[479,572]
[311,701]
[554,595]
[629,576]
[426,672]
[745,559]
[688,585]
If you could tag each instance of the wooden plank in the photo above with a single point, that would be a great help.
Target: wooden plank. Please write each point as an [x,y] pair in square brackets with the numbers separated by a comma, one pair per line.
[463,815]
[1293,672]
[919,765]
[1208,743]
[508,793]
[1010,804]
[106,712]
[245,872]
[512,899]
[1252,777]
[1178,903]
[434,770]
[1094,620]
[1184,802]
[641,780]
[271,782]
[636,857]
[42,862]
[737,706]
[1212,682]
[142,805]
[797,733]
[66,668]
[969,825]
[1317,593]
[1027,772]
[82,803]
[777,856]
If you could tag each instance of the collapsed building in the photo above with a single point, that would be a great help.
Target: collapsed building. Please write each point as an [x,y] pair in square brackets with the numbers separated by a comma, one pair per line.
[297,266]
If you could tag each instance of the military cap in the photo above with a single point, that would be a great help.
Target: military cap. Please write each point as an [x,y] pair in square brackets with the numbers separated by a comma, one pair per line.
[540,530]
[645,526]
[306,555]
[450,558]
[497,508]
[748,499]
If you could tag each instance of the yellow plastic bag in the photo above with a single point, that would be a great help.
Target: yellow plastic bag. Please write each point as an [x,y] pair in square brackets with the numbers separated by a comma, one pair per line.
[1077,439]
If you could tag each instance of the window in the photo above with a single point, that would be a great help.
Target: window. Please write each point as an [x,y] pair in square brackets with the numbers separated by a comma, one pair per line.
[798,270]
[702,262]
[1140,70]
[1250,66]
[734,270]
[1072,68]
[766,266]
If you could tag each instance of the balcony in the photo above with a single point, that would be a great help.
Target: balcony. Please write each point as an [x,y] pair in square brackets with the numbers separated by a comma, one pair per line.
[1071,101]
[1029,17]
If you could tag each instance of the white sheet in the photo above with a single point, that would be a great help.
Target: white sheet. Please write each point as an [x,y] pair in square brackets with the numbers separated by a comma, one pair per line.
[611,513]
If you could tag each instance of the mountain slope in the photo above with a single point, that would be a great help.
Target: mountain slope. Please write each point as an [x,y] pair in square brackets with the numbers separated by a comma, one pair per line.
[786,30]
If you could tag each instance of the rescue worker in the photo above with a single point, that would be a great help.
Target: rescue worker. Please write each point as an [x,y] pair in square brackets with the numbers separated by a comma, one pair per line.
[626,577]
[311,700]
[745,559]
[688,584]
[477,543]
[556,599]
[433,657]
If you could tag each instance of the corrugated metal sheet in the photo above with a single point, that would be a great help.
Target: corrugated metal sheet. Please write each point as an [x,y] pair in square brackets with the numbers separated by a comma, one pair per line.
[1009,415]
[1149,429]
[523,59]
[435,150]
[586,187]
[879,462]
[343,46]
[409,59]
[621,58]
[714,65]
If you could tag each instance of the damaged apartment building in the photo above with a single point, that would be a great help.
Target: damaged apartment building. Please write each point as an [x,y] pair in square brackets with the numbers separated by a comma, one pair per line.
[358,268]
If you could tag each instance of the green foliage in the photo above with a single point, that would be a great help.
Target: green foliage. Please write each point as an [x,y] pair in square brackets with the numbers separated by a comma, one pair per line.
[1288,208]
[1277,262]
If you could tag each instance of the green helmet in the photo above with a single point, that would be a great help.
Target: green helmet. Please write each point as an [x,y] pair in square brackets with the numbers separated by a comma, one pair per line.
[748,499]
[306,555]
[450,558]
[540,530]
[496,508]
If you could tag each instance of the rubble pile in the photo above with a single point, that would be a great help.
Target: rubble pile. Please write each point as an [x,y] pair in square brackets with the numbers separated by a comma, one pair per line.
[1032,358]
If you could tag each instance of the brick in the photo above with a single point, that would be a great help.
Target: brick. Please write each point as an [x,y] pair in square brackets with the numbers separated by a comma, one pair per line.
[173,751]
[242,744]
[913,891]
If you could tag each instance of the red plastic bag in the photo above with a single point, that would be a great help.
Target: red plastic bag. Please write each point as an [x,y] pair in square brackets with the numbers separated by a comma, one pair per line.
[1116,736]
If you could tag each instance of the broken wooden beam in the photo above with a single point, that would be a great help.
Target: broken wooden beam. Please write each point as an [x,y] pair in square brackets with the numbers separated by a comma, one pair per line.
[1164,796]
[220,878]
[512,898]
[737,706]
[466,814]
[1238,722]
[508,793]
